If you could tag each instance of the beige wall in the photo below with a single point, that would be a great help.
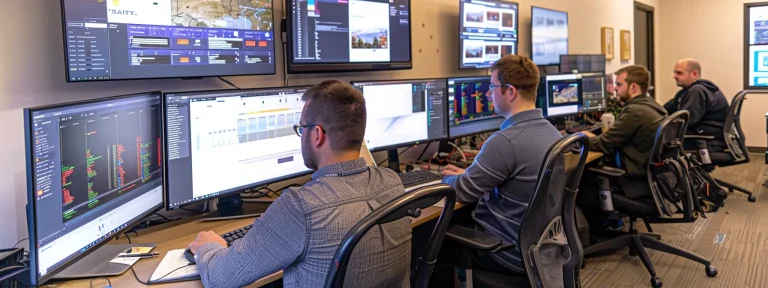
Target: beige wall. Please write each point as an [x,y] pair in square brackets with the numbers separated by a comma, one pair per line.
[711,31]
[32,71]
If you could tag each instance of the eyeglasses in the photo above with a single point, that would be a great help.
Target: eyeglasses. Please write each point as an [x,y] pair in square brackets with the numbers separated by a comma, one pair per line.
[299,129]
[493,86]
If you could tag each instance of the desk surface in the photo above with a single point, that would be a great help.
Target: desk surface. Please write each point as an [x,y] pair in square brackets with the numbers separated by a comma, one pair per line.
[178,234]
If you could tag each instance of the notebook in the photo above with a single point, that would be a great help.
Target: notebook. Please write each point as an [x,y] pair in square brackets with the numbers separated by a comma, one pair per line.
[174,268]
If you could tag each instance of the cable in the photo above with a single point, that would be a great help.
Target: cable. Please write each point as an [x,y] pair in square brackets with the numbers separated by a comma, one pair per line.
[401,153]
[20,269]
[129,238]
[230,83]
[17,243]
[464,158]
[161,216]
[91,282]
[166,275]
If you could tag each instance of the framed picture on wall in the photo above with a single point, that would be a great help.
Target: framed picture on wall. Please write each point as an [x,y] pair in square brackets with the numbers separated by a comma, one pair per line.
[626,45]
[756,45]
[606,42]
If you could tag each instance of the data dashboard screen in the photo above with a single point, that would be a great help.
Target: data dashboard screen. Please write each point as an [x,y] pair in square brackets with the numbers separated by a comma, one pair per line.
[487,32]
[756,46]
[404,112]
[350,32]
[137,39]
[222,142]
[593,92]
[96,169]
[549,35]
[471,107]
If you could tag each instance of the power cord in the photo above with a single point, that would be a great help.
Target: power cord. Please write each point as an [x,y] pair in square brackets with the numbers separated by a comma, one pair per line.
[17,243]
[91,282]
[229,83]
[161,278]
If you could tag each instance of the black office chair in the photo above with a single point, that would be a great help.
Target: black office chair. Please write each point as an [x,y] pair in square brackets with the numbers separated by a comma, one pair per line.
[736,153]
[409,204]
[663,206]
[548,241]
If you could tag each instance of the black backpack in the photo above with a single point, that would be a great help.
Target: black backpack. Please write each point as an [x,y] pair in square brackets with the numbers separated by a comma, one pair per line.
[708,193]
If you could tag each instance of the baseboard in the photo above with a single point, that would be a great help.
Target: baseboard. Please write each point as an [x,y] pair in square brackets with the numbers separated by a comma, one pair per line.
[756,149]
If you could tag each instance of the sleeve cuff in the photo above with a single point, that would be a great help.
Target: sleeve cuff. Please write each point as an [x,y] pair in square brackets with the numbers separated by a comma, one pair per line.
[208,249]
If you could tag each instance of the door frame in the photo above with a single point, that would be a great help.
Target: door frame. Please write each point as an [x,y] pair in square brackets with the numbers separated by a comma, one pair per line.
[651,44]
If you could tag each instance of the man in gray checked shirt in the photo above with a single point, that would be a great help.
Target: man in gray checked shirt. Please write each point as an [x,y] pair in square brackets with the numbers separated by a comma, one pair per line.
[302,229]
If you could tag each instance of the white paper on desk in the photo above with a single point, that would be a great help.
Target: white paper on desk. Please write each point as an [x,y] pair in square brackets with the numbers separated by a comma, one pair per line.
[125,260]
[174,267]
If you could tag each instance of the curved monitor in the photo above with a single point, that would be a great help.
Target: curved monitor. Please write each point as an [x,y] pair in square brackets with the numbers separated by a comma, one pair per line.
[354,35]
[549,35]
[140,39]
[487,32]
[93,171]
[227,141]
[404,112]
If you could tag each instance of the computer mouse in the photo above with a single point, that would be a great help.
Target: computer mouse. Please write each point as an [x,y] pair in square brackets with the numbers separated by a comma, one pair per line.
[190,257]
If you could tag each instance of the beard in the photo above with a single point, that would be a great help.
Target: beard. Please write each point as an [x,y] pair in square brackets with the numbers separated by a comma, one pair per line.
[309,158]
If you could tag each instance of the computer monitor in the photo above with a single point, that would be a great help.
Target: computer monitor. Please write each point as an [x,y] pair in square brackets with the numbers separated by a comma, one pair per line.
[354,35]
[228,141]
[471,107]
[403,113]
[549,35]
[139,39]
[563,94]
[593,91]
[487,32]
[93,171]
[570,63]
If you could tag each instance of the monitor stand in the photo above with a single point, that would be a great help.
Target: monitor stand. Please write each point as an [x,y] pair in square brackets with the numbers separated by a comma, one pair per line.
[97,263]
[231,207]
[444,147]
[393,157]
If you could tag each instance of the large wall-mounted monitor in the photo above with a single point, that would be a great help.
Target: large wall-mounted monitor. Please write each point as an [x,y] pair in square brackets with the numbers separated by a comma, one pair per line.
[353,35]
[563,94]
[225,142]
[487,32]
[756,45]
[471,107]
[140,39]
[94,169]
[404,112]
[549,35]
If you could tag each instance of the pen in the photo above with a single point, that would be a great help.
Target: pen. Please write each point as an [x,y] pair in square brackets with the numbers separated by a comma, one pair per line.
[139,255]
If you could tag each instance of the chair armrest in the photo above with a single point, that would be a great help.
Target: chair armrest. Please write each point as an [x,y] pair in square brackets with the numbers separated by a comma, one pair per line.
[700,137]
[473,239]
[608,171]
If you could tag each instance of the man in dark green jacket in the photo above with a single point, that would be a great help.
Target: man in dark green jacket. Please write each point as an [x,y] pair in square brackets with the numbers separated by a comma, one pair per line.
[634,130]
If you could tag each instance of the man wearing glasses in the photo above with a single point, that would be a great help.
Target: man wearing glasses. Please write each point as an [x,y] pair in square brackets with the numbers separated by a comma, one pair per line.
[503,177]
[300,232]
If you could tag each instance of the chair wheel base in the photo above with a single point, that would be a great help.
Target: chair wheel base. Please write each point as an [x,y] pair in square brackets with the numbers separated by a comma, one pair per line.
[752,198]
[656,282]
[711,271]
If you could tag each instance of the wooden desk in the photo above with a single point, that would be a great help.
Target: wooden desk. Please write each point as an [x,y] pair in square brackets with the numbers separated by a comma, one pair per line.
[178,234]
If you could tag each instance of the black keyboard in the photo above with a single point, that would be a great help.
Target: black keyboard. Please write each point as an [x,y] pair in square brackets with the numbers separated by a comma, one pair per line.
[233,235]
[583,127]
[414,178]
[230,237]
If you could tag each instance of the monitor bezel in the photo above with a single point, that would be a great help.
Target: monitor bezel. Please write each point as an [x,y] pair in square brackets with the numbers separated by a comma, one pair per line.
[31,179]
[233,191]
[421,141]
[460,42]
[66,56]
[452,136]
[291,67]
[568,43]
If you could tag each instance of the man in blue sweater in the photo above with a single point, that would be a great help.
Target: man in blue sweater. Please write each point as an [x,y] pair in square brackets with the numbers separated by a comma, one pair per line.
[503,177]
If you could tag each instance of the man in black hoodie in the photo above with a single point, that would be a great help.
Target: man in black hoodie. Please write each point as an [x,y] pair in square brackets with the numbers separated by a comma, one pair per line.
[703,100]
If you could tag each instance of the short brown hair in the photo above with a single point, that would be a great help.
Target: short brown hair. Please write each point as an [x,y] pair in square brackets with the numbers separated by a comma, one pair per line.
[340,109]
[518,71]
[636,74]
